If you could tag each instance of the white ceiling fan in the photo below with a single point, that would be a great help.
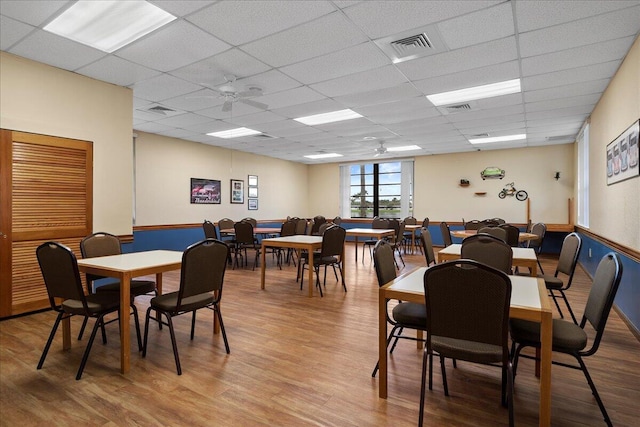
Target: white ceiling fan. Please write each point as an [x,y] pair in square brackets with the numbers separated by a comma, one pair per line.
[230,94]
[380,150]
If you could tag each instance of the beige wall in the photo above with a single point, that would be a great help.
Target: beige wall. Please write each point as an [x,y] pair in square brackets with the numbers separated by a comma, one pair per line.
[165,166]
[324,186]
[41,99]
[615,210]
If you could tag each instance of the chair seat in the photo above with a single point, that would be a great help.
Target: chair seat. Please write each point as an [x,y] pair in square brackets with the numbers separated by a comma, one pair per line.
[411,315]
[553,282]
[95,304]
[567,336]
[169,302]
[325,260]
[138,287]
[466,350]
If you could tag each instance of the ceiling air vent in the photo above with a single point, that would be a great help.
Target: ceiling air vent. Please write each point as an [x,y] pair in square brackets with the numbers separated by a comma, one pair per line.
[557,138]
[458,108]
[159,109]
[264,136]
[411,43]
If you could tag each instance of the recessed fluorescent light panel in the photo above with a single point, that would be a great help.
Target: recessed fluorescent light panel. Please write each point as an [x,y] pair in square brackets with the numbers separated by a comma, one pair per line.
[334,116]
[108,25]
[234,133]
[498,139]
[323,156]
[477,92]
[404,148]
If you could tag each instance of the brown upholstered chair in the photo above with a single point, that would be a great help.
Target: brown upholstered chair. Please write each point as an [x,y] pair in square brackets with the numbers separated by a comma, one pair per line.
[210,230]
[331,254]
[446,234]
[513,235]
[488,250]
[59,268]
[409,315]
[570,338]
[201,279]
[377,224]
[540,230]
[563,276]
[467,319]
[427,246]
[498,232]
[244,241]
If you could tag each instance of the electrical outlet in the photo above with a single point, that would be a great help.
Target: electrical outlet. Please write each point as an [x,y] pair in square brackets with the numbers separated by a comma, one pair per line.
[589,252]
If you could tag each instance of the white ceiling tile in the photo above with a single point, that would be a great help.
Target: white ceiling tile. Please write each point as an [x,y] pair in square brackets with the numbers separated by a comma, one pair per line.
[565,77]
[184,120]
[54,50]
[485,114]
[560,112]
[162,87]
[195,101]
[178,133]
[577,57]
[238,109]
[179,8]
[270,82]
[32,12]
[591,30]
[469,78]
[301,42]
[362,57]
[257,119]
[289,97]
[239,22]
[316,107]
[379,96]
[569,90]
[117,71]
[173,46]
[379,19]
[482,26]
[12,31]
[532,15]
[213,70]
[585,100]
[153,127]
[493,52]
[379,78]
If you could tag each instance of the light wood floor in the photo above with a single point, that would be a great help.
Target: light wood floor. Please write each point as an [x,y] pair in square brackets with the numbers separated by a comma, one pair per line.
[294,361]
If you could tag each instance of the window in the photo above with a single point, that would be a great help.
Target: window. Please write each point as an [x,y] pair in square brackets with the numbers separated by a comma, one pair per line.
[583,176]
[377,189]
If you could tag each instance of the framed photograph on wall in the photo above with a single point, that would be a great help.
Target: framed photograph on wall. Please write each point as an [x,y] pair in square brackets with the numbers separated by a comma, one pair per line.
[237,191]
[252,192]
[622,155]
[253,181]
[253,204]
[205,191]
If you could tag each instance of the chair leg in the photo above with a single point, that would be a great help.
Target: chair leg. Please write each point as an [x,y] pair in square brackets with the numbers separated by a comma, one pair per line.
[50,340]
[430,370]
[566,301]
[224,334]
[593,390]
[555,300]
[173,344]
[147,318]
[510,394]
[84,325]
[344,285]
[99,324]
[399,330]
[193,324]
[444,376]
[540,265]
[422,383]
[137,322]
[375,370]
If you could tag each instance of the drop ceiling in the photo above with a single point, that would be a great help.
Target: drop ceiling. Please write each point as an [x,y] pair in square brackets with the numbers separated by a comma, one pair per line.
[311,57]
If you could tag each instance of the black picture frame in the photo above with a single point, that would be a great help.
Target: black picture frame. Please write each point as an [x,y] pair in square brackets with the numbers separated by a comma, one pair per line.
[252,181]
[622,160]
[252,204]
[206,191]
[237,191]
[252,192]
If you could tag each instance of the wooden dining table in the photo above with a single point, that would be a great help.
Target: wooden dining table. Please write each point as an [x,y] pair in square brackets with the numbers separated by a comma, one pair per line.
[522,237]
[125,267]
[522,257]
[529,301]
[377,233]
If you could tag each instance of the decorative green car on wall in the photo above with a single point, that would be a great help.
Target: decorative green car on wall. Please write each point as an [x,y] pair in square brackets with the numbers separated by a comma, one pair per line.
[492,172]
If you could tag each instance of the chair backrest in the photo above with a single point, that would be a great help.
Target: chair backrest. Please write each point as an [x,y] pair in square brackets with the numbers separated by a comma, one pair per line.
[498,232]
[393,224]
[446,234]
[226,224]
[400,232]
[497,220]
[210,230]
[379,223]
[410,220]
[337,220]
[513,234]
[333,241]
[244,233]
[253,221]
[288,228]
[469,301]
[473,225]
[203,267]
[301,226]
[384,263]
[601,296]
[568,258]
[489,223]
[427,246]
[540,230]
[425,222]
[318,220]
[323,227]
[488,250]
[59,268]
[96,245]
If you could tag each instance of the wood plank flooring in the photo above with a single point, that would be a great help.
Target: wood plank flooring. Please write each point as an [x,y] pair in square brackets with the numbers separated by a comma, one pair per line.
[295,361]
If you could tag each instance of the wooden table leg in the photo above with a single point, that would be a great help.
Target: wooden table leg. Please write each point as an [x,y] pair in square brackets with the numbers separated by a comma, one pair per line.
[263,265]
[125,339]
[66,333]
[312,284]
[382,345]
[546,331]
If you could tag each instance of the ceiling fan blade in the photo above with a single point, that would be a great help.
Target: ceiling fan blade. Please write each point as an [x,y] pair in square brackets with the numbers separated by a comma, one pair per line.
[254,103]
[227,106]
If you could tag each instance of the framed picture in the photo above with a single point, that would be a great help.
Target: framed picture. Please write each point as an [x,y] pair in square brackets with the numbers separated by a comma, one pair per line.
[237,191]
[622,155]
[253,204]
[205,191]
[253,180]
[252,192]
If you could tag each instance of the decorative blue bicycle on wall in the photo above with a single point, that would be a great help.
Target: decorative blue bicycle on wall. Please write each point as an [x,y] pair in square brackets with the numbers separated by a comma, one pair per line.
[510,190]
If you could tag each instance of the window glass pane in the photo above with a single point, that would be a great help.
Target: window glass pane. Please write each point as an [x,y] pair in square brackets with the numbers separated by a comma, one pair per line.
[360,191]
[356,179]
[390,178]
[389,190]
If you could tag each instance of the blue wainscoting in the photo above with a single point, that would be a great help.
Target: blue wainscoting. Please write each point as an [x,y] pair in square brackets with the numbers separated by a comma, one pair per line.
[628,297]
